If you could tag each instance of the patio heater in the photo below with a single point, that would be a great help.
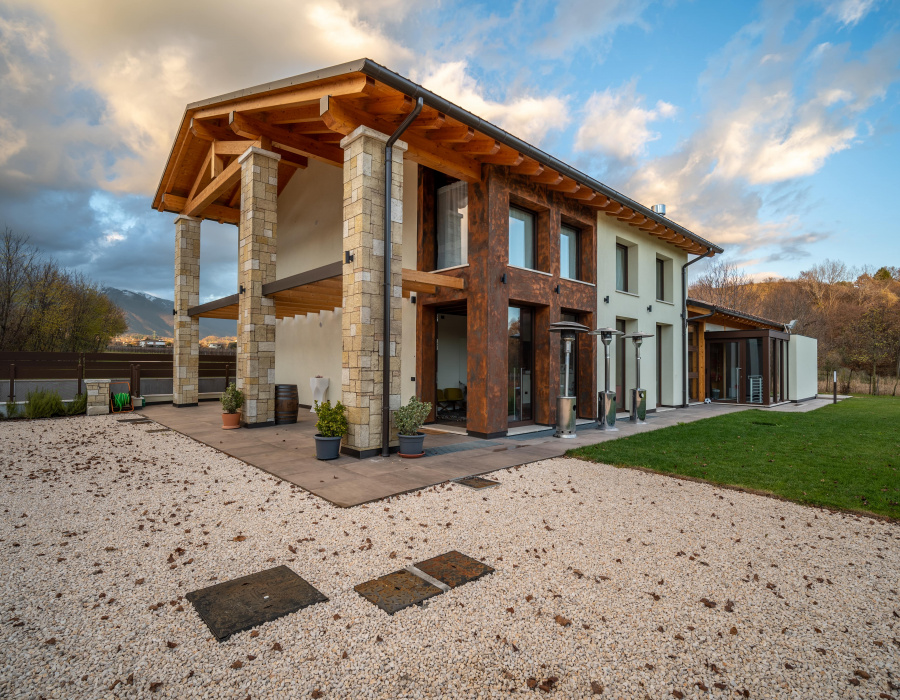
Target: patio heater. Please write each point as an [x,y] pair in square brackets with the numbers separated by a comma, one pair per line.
[638,395]
[565,405]
[606,399]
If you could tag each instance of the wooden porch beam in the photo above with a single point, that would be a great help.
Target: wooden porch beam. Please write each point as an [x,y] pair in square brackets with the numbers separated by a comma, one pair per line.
[433,278]
[248,127]
[196,204]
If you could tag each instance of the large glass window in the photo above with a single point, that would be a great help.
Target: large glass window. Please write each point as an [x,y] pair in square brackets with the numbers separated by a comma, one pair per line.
[521,238]
[621,267]
[754,371]
[453,225]
[568,253]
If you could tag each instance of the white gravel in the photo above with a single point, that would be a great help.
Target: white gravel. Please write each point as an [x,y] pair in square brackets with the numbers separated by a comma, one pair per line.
[89,506]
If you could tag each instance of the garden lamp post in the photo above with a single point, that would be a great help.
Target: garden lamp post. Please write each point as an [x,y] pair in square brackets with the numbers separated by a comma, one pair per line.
[565,405]
[638,395]
[606,399]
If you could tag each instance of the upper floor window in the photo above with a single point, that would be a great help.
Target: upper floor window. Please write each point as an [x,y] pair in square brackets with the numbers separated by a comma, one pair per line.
[521,238]
[621,267]
[568,253]
[661,280]
[452,225]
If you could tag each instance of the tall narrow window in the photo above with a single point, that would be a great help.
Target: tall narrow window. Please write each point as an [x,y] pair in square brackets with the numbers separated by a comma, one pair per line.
[453,225]
[568,253]
[521,238]
[661,280]
[621,267]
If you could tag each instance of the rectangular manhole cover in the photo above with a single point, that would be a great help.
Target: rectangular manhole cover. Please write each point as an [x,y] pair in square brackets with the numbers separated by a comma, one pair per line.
[454,568]
[397,591]
[234,606]
[158,430]
[476,482]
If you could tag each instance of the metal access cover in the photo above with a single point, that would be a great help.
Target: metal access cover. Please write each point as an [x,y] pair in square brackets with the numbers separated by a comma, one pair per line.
[248,601]
[476,482]
[397,591]
[159,430]
[454,568]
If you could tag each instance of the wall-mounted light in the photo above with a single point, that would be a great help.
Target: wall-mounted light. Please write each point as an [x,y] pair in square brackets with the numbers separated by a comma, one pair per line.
[412,298]
[557,289]
[605,300]
[503,279]
[348,256]
[242,290]
[650,309]
[174,312]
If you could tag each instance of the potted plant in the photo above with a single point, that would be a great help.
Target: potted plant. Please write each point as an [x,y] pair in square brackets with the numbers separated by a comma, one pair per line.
[332,426]
[232,399]
[409,419]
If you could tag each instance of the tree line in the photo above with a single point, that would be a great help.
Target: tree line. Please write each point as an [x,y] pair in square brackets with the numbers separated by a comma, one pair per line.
[853,313]
[44,307]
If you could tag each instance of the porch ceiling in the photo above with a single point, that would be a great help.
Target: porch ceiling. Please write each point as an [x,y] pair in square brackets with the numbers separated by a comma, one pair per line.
[296,296]
[733,319]
[307,116]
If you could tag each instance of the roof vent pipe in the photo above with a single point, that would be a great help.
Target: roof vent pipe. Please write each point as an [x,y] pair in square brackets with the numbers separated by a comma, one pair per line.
[659,209]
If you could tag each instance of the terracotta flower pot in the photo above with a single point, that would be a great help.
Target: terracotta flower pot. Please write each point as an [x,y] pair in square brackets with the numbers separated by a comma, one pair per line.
[230,421]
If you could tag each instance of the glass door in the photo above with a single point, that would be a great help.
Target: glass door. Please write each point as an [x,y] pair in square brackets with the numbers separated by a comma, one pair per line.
[725,371]
[520,364]
[620,366]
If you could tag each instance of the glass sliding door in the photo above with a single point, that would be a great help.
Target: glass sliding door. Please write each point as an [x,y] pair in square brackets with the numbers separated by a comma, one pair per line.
[754,371]
[520,364]
[776,369]
[724,371]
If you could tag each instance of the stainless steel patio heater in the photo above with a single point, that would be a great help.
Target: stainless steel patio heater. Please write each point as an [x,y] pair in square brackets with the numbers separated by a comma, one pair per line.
[638,395]
[606,399]
[565,405]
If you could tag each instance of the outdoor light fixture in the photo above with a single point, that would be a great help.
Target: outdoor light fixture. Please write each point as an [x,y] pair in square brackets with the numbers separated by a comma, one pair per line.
[650,309]
[605,300]
[503,279]
[348,256]
[242,290]
[606,399]
[638,395]
[412,298]
[565,405]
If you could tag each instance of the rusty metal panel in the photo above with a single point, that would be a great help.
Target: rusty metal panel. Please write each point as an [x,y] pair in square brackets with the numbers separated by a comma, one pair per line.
[477,482]
[454,568]
[245,602]
[397,591]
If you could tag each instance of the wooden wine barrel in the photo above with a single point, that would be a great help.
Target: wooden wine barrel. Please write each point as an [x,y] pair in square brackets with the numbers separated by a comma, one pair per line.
[286,403]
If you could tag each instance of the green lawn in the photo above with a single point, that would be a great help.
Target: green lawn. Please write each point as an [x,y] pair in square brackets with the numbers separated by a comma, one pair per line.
[844,456]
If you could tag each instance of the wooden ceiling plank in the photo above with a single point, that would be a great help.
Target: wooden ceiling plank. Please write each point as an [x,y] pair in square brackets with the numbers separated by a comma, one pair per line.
[248,127]
[295,115]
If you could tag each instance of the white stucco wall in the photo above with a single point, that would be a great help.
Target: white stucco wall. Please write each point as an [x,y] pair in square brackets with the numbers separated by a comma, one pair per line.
[631,306]
[803,372]
[310,216]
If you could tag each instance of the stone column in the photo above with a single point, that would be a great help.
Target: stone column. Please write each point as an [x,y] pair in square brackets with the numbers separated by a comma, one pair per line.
[186,348]
[363,307]
[97,396]
[256,267]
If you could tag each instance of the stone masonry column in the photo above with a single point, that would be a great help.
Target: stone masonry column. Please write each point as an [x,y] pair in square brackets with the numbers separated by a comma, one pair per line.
[362,356]
[256,267]
[186,348]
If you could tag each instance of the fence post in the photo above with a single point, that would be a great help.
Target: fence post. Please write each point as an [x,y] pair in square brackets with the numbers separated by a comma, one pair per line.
[227,368]
[12,382]
[137,380]
[79,370]
[834,387]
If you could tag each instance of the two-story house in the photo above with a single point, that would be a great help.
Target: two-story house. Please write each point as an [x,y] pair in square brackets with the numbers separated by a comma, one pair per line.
[490,241]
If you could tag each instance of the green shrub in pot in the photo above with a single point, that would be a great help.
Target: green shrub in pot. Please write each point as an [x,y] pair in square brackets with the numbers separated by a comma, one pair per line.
[232,399]
[332,426]
[409,419]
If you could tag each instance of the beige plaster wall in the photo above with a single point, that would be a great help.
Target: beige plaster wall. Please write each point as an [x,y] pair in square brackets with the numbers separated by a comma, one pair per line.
[306,346]
[410,253]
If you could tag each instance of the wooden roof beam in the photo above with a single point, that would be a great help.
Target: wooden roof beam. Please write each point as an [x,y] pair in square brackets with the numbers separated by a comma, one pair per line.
[506,156]
[584,194]
[452,134]
[343,118]
[567,185]
[248,127]
[547,177]
[214,212]
[528,166]
[479,147]
[295,115]
[196,204]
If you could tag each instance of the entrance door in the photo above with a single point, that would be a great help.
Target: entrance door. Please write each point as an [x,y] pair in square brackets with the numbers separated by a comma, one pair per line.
[659,365]
[520,328]
[725,371]
[620,367]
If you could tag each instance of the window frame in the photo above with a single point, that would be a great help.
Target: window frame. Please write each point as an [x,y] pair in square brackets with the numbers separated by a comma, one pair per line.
[534,238]
[576,233]
[625,286]
[661,280]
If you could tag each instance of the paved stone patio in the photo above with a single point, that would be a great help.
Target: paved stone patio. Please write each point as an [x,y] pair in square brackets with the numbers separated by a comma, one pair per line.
[288,451]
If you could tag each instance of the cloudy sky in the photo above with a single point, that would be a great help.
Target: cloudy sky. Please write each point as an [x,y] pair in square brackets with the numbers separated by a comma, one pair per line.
[770,128]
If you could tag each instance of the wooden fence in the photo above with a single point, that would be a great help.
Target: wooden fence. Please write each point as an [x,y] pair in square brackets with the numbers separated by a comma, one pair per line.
[124,366]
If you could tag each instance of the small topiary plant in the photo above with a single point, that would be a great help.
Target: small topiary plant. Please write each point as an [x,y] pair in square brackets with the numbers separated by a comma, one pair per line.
[44,404]
[232,399]
[409,418]
[77,406]
[332,422]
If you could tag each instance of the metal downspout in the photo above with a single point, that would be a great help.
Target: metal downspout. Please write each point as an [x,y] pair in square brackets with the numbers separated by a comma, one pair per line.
[684,322]
[388,291]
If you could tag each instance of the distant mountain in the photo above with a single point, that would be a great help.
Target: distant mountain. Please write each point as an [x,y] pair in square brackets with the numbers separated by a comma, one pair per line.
[148,314]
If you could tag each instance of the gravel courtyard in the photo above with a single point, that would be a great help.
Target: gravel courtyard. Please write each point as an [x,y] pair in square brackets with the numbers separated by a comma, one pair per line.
[609,581]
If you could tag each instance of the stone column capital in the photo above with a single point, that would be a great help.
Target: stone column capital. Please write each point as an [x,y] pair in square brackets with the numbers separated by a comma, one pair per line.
[258,151]
[185,217]
[362,131]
